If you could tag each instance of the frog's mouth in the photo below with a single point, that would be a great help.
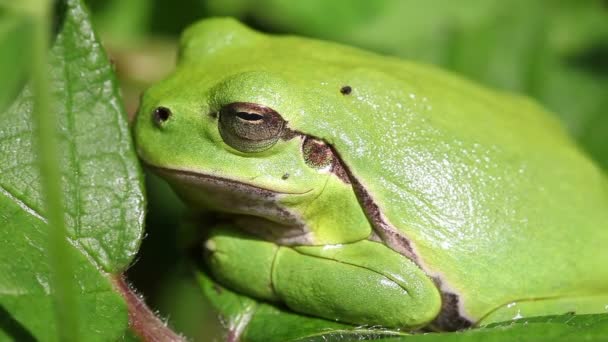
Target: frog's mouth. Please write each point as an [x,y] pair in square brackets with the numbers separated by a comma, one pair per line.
[228,183]
[246,201]
[223,184]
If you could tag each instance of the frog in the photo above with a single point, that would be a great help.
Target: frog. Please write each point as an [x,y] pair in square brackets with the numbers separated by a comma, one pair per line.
[370,190]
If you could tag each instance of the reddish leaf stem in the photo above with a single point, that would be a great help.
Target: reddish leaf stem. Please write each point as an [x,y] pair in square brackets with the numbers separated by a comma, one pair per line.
[142,321]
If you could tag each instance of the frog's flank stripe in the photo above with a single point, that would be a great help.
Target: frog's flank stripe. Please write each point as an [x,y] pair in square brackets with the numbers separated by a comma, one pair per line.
[390,235]
[450,317]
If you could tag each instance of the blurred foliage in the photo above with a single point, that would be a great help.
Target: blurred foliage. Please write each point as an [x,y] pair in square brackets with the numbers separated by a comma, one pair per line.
[15,35]
[554,51]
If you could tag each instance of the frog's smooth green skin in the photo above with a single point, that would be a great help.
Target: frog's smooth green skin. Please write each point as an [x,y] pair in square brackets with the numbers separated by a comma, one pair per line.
[379,191]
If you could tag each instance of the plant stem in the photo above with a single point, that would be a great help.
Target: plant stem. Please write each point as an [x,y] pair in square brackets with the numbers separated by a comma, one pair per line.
[142,321]
[45,119]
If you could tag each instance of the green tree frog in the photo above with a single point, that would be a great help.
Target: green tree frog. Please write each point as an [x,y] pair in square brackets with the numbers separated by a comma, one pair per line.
[375,191]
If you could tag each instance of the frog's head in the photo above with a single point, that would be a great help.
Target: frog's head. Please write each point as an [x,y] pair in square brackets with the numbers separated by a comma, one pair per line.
[223,131]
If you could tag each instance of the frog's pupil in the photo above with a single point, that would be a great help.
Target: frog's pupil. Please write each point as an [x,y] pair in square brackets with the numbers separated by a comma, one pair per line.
[249,116]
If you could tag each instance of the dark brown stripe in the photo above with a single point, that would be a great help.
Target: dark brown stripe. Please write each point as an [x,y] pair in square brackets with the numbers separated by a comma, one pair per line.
[449,318]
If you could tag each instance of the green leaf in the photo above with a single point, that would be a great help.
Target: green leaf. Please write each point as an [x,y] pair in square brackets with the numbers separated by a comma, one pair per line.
[101,176]
[564,328]
[102,192]
[26,303]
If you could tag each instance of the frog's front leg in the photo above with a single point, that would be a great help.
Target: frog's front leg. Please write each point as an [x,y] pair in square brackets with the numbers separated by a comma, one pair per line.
[363,283]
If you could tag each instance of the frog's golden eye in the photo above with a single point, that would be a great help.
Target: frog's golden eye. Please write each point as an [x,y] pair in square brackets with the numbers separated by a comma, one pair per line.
[160,115]
[250,127]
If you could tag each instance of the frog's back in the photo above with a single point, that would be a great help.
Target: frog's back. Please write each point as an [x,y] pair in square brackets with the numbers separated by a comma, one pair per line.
[494,196]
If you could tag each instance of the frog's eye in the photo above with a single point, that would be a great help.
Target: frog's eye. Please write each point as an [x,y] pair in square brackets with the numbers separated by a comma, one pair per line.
[250,127]
[160,115]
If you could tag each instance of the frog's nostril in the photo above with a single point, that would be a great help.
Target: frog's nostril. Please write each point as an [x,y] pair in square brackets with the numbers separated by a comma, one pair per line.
[160,115]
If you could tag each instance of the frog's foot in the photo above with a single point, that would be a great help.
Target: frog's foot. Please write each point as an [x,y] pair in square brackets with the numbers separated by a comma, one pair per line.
[526,308]
[363,283]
